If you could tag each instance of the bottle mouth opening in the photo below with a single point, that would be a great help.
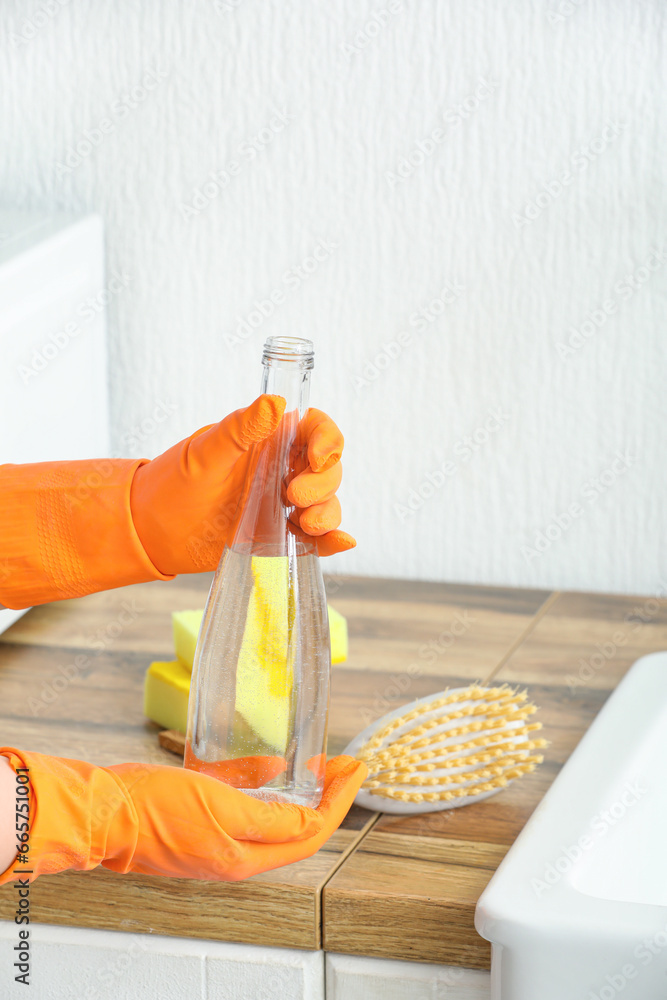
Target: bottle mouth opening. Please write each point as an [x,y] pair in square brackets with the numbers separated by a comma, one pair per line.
[289,351]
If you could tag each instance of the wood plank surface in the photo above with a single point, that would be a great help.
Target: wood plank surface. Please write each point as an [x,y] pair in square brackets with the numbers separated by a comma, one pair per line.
[409,639]
[71,678]
[410,874]
[280,908]
[71,684]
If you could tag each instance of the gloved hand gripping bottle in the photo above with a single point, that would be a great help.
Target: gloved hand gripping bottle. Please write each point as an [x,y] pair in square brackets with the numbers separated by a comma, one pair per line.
[259,694]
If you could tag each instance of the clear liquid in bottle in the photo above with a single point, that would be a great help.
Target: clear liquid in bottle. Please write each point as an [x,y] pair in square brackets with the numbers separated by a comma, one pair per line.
[259,693]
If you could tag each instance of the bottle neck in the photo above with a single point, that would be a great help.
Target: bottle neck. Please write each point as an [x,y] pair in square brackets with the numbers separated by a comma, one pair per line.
[291,383]
[262,516]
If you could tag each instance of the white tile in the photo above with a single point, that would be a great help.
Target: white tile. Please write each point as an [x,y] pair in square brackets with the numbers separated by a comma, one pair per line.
[350,977]
[266,974]
[74,963]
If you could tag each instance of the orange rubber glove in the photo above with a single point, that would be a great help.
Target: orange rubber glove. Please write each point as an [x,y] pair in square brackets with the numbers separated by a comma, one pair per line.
[161,820]
[184,501]
[74,528]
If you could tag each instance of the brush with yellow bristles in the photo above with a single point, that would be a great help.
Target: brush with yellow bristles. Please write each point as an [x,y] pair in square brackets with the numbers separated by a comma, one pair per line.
[447,750]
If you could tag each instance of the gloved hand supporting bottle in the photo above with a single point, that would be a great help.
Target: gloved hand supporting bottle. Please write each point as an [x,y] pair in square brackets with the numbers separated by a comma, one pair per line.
[162,820]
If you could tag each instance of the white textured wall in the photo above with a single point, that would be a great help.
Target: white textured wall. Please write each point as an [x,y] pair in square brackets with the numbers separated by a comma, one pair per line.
[485,224]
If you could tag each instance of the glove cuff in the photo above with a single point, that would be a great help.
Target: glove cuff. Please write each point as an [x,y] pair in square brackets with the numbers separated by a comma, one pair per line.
[66,530]
[74,807]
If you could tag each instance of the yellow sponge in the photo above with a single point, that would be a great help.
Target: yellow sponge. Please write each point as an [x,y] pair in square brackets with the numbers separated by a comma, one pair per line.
[265,667]
[185,626]
[338,635]
[167,684]
[166,690]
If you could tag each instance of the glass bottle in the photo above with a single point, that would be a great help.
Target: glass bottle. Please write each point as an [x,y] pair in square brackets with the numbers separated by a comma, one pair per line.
[259,694]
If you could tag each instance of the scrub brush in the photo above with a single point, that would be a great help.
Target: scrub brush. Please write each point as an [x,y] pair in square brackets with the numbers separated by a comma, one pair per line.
[447,750]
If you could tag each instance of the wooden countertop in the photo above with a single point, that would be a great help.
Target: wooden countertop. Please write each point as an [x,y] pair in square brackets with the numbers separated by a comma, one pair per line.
[383,886]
